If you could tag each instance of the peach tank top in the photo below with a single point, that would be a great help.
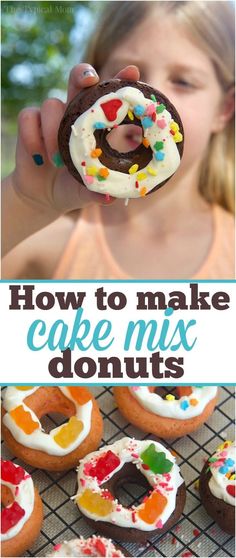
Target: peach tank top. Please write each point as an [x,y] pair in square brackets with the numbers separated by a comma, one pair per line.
[88,256]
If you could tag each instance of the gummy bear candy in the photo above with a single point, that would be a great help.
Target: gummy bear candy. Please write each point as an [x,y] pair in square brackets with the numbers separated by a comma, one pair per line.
[80,394]
[24,388]
[10,516]
[68,432]
[156,460]
[153,507]
[94,503]
[11,473]
[107,463]
[24,419]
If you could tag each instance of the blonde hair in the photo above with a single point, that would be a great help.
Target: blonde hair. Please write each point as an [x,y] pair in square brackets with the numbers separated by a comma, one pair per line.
[211,24]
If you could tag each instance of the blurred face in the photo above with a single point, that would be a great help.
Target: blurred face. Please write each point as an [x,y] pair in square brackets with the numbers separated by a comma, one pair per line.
[170,62]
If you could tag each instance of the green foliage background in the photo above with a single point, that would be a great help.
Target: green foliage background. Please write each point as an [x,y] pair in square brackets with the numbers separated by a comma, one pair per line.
[41,41]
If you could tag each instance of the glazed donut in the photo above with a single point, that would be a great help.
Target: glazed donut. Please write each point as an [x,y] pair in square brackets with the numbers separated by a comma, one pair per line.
[169,417]
[94,112]
[217,486]
[146,463]
[64,445]
[94,546]
[22,516]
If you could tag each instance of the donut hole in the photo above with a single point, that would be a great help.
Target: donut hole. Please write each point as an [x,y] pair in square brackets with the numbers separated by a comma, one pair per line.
[129,486]
[125,133]
[177,391]
[51,421]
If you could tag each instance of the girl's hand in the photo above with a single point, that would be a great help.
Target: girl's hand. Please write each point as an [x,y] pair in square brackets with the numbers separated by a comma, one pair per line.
[40,177]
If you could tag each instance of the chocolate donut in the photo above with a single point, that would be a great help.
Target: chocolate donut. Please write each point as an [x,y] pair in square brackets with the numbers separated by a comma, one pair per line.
[94,112]
[146,463]
[217,486]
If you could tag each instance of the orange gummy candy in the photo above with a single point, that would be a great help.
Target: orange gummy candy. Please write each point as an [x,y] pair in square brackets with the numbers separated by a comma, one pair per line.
[94,503]
[24,420]
[24,388]
[153,507]
[80,394]
[68,432]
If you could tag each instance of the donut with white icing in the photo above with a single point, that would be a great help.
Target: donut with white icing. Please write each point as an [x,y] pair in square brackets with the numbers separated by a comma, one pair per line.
[146,463]
[97,110]
[94,546]
[64,445]
[22,515]
[170,417]
[217,486]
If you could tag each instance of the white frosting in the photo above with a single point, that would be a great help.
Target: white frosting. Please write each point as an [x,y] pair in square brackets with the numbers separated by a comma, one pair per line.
[129,450]
[76,548]
[172,408]
[40,440]
[218,481]
[24,496]
[119,184]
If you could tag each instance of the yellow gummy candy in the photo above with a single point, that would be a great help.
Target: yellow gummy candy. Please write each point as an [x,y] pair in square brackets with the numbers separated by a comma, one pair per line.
[170,397]
[92,171]
[68,432]
[94,503]
[178,137]
[141,176]
[133,169]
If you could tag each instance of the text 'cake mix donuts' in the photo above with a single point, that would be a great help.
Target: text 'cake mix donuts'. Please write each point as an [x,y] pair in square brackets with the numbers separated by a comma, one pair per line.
[22,515]
[170,417]
[146,463]
[64,445]
[94,112]
[217,486]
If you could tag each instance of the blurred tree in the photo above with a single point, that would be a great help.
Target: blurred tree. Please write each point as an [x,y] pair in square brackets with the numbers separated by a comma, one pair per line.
[38,47]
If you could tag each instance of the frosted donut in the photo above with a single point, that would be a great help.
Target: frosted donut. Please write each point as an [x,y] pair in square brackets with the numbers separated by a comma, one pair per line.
[22,516]
[217,486]
[94,546]
[146,463]
[94,112]
[63,446]
[169,417]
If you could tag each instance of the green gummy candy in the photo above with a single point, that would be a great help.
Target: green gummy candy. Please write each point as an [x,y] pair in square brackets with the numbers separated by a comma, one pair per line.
[156,460]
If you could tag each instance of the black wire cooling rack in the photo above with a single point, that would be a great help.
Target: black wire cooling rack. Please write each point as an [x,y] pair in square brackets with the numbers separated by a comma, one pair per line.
[195,534]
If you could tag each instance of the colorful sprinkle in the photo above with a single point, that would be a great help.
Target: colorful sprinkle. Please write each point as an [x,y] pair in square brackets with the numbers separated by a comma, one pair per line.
[141,176]
[133,169]
[99,125]
[170,397]
[152,171]
[178,137]
[143,191]
[110,108]
[159,155]
[150,109]
[161,123]
[160,108]
[147,122]
[153,98]
[184,405]
[104,172]
[145,142]
[96,152]
[139,110]
[92,171]
[130,115]
[158,145]
[193,402]
[89,179]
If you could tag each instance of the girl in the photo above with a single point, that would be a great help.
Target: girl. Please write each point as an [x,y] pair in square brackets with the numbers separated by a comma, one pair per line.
[184,230]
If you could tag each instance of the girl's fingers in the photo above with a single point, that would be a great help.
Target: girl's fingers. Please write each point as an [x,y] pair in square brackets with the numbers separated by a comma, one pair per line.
[82,75]
[52,112]
[130,72]
[30,134]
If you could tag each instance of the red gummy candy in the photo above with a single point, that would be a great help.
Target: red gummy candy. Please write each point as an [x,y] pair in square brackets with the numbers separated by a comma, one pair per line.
[105,465]
[110,108]
[230,488]
[11,473]
[100,547]
[10,517]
